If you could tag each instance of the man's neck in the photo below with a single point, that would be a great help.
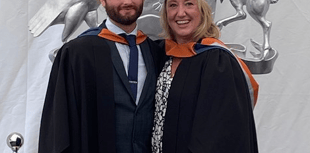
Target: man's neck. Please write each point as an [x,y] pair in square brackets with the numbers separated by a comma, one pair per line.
[126,28]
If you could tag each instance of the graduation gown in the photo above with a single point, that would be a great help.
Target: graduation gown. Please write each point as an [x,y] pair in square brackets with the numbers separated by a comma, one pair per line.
[209,107]
[79,110]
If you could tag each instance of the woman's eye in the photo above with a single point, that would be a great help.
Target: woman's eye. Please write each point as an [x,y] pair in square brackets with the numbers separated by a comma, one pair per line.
[172,5]
[189,4]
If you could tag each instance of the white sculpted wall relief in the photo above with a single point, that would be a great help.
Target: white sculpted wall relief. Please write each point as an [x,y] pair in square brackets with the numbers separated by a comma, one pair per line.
[72,13]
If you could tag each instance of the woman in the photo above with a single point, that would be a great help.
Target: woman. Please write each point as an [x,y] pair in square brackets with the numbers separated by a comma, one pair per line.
[204,95]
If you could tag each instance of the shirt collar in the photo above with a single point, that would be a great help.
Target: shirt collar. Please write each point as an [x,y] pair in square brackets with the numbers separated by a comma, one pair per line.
[114,28]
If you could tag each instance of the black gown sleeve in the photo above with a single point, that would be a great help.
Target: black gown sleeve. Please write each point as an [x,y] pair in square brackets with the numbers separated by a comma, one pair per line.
[58,107]
[223,120]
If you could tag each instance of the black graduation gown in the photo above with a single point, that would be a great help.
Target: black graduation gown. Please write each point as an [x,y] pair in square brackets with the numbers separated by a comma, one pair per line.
[78,114]
[209,108]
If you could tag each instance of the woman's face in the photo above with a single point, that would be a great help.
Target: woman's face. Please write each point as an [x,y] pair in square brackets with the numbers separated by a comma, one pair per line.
[183,18]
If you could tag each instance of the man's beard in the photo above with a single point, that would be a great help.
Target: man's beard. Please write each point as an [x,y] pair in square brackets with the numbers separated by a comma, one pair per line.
[114,14]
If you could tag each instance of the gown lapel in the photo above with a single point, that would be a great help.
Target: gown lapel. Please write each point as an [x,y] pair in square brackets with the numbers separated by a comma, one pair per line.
[148,60]
[105,98]
[172,114]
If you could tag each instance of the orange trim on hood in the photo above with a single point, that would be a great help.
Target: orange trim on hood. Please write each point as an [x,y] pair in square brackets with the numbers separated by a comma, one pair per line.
[107,34]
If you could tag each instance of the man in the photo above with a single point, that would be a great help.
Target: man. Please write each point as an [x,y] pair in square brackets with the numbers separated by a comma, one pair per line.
[100,97]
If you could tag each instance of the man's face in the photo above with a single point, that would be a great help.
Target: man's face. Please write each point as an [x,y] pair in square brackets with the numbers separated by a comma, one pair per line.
[124,12]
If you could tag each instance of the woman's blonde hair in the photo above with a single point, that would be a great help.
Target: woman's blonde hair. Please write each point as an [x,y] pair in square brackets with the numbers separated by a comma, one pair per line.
[207,28]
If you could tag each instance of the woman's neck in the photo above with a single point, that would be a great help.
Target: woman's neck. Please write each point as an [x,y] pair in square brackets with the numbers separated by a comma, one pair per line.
[184,40]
